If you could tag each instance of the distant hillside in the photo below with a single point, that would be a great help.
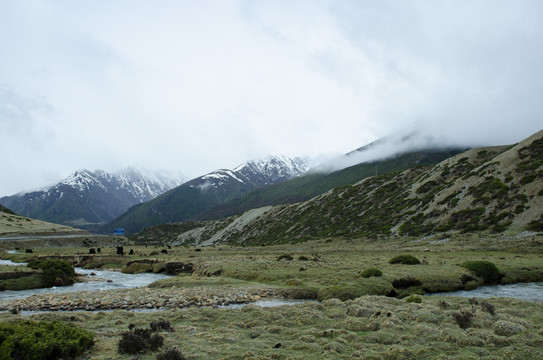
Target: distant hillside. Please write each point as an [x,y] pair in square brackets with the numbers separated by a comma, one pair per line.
[86,198]
[491,189]
[314,183]
[205,192]
[12,224]
[6,210]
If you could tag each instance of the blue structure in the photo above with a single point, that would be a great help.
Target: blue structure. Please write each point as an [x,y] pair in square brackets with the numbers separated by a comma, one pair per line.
[118,231]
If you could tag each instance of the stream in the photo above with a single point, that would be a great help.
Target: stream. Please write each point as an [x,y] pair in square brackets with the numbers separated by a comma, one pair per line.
[111,280]
[532,291]
[105,280]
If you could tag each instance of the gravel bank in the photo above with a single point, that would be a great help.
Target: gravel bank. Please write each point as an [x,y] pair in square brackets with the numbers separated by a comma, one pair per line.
[140,298]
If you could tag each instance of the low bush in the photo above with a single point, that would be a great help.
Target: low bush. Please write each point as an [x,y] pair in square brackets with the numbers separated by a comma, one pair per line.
[138,340]
[54,272]
[371,272]
[404,259]
[488,307]
[486,270]
[170,354]
[44,340]
[463,319]
[405,283]
[339,292]
[414,299]
[161,325]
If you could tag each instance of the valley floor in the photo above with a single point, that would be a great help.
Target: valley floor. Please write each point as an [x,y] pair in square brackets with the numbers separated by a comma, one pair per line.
[350,322]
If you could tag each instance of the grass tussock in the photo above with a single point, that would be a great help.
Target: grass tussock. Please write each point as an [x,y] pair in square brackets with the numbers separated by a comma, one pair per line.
[366,327]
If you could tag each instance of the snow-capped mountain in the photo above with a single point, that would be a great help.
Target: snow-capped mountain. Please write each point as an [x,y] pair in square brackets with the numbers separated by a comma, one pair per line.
[205,192]
[254,174]
[86,198]
[272,169]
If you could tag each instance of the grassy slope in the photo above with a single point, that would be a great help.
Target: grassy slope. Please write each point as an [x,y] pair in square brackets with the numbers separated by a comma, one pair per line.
[493,189]
[179,204]
[11,224]
[187,202]
[308,186]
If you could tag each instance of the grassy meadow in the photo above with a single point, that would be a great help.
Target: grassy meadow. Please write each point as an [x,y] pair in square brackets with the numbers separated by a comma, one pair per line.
[354,318]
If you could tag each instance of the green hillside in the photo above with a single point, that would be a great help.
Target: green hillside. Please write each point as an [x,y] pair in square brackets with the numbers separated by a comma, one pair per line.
[310,185]
[487,189]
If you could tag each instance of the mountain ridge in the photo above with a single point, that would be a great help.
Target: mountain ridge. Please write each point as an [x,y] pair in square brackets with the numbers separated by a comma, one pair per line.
[315,182]
[484,189]
[85,198]
[207,191]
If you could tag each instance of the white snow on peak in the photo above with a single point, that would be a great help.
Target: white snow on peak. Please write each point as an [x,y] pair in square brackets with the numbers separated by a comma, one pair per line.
[277,162]
[141,184]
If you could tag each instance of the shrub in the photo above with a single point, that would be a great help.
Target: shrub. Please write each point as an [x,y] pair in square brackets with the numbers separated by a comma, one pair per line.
[285,256]
[405,283]
[131,343]
[54,272]
[404,259]
[170,354]
[339,292]
[161,325]
[42,340]
[536,225]
[414,299]
[463,319]
[371,272]
[488,307]
[486,270]
[138,340]
[528,179]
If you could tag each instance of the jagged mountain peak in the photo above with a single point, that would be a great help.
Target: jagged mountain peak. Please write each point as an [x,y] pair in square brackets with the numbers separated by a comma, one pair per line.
[210,190]
[85,197]
[260,172]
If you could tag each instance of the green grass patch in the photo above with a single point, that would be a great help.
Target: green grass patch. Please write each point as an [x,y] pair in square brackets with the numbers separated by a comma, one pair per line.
[404,259]
[371,272]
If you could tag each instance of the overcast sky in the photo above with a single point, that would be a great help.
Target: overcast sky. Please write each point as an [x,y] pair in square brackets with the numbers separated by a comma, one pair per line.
[193,86]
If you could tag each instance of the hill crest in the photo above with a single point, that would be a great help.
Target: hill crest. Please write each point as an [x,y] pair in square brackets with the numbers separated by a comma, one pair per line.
[484,189]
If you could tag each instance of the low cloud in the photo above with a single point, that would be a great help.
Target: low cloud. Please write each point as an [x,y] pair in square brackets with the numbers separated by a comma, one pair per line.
[205,186]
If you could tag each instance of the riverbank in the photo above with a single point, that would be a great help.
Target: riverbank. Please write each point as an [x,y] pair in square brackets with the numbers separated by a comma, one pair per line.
[142,298]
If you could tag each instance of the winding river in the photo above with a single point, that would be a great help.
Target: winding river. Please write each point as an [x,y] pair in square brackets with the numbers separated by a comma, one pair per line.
[105,280]
[110,280]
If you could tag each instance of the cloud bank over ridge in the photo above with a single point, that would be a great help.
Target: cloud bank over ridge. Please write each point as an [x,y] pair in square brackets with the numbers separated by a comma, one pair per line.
[197,86]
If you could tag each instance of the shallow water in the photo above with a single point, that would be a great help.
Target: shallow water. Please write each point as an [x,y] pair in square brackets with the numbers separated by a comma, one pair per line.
[9,262]
[532,291]
[269,303]
[117,279]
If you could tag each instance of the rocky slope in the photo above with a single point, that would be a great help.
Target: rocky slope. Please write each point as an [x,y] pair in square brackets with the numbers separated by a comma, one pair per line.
[493,188]
[86,198]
